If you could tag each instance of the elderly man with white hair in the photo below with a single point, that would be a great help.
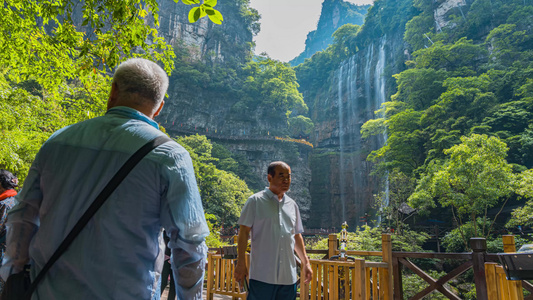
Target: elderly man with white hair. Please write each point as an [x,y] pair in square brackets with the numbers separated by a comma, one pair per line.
[119,253]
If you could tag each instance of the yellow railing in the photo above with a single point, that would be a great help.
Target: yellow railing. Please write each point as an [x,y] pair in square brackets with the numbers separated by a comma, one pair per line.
[220,278]
[498,287]
[333,280]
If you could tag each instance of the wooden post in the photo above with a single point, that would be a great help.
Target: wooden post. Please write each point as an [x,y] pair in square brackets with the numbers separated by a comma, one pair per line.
[332,245]
[332,251]
[359,280]
[508,243]
[492,281]
[515,286]
[397,275]
[210,272]
[386,278]
[479,249]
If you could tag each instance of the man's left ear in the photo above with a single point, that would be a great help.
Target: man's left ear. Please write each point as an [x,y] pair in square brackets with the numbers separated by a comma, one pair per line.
[113,96]
[160,108]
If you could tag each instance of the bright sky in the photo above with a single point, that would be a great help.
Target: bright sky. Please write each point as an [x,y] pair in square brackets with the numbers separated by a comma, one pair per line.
[285,25]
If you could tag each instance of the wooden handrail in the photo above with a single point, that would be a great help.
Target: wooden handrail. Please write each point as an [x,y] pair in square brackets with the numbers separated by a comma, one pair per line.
[335,280]
[374,280]
[220,278]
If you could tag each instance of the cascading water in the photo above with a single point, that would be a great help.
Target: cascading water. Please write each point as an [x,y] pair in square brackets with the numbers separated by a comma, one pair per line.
[354,108]
[379,78]
[341,143]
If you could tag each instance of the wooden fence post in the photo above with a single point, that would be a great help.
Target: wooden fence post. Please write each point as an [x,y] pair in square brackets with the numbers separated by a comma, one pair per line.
[515,286]
[479,249]
[508,243]
[359,291]
[492,281]
[386,279]
[397,279]
[332,245]
[210,272]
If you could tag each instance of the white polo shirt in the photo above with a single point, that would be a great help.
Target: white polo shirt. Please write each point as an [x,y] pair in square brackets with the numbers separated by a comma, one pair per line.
[274,224]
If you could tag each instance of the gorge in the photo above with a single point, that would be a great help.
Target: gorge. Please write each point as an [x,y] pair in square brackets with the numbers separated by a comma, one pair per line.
[343,88]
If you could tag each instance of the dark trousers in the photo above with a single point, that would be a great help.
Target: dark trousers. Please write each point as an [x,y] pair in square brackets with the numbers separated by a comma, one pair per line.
[266,291]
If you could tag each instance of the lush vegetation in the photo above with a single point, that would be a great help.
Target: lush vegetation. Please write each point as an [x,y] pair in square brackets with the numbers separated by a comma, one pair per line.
[460,120]
[258,87]
[223,193]
[55,70]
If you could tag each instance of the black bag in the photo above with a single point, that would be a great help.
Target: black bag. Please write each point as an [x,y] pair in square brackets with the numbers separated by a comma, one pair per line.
[17,285]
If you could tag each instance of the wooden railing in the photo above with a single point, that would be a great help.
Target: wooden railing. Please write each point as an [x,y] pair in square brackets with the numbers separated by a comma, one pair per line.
[220,278]
[362,279]
[357,279]
[498,287]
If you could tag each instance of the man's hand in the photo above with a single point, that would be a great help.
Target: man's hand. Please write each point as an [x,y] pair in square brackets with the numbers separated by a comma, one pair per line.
[240,271]
[308,273]
[299,247]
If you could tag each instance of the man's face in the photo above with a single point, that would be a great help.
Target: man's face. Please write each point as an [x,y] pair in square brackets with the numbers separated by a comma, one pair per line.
[281,181]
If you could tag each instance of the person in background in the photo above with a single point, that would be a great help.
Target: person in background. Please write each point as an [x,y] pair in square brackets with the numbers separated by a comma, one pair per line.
[166,275]
[8,183]
[119,254]
[273,219]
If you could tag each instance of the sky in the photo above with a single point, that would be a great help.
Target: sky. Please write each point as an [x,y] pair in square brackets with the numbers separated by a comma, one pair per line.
[285,25]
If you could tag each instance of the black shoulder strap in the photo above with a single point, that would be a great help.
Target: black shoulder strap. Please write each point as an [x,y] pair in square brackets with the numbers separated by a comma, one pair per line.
[97,203]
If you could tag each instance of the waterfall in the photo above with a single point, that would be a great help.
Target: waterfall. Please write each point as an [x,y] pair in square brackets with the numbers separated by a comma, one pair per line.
[358,92]
[379,88]
[341,125]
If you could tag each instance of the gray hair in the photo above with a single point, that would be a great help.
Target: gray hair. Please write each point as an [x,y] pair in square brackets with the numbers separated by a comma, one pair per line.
[138,76]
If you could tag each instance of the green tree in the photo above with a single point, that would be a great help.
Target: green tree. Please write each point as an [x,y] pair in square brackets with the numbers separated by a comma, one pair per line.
[522,215]
[223,193]
[474,178]
[366,238]
[392,206]
[42,40]
[300,125]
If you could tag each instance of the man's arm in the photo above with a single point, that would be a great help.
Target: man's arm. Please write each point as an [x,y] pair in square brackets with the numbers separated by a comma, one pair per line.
[188,266]
[241,271]
[182,216]
[299,247]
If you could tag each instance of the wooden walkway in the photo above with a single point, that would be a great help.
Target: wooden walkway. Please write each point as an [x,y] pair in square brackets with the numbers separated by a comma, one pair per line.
[216,297]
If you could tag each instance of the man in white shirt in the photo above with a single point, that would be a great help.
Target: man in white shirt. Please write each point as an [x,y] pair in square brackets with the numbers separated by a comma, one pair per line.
[273,219]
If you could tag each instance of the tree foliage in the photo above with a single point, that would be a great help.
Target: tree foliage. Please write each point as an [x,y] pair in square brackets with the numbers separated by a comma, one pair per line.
[470,78]
[57,42]
[366,238]
[223,193]
[474,178]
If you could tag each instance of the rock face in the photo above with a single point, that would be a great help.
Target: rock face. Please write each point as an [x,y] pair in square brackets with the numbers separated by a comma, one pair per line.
[342,186]
[261,152]
[220,43]
[334,14]
[442,10]
[192,108]
[332,182]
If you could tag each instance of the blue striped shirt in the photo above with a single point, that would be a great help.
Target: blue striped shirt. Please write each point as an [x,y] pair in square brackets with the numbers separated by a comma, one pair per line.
[119,253]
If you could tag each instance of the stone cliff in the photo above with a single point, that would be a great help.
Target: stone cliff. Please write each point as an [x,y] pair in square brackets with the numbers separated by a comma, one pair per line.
[334,14]
[204,105]
[333,182]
